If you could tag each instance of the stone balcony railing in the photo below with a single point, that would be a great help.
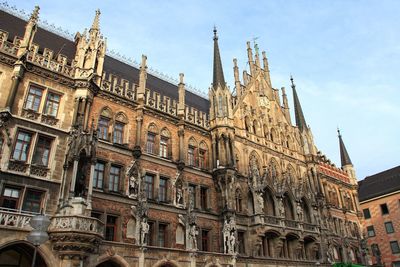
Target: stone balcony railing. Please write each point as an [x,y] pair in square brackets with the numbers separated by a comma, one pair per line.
[272,220]
[15,220]
[78,224]
[310,227]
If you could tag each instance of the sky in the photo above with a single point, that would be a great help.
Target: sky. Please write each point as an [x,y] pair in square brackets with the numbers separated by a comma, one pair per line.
[344,56]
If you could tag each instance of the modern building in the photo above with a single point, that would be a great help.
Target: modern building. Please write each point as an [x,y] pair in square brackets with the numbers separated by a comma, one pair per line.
[135,170]
[379,196]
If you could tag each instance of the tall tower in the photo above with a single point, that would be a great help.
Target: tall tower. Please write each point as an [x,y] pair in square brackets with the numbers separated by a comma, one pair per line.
[345,160]
[222,133]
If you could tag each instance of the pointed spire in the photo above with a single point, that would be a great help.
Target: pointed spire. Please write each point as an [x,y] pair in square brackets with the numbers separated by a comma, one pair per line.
[344,156]
[300,121]
[35,14]
[218,74]
[96,21]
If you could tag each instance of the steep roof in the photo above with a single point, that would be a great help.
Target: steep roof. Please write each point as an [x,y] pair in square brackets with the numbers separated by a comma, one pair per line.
[344,156]
[298,111]
[15,26]
[379,184]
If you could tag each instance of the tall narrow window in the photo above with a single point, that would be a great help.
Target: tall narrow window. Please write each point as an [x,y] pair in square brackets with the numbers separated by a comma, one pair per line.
[149,186]
[202,159]
[118,132]
[191,161]
[33,201]
[241,247]
[162,233]
[367,214]
[389,227]
[103,128]
[34,98]
[10,197]
[22,146]
[114,180]
[394,245]
[150,235]
[111,227]
[150,145]
[164,147]
[203,198]
[204,240]
[162,192]
[371,231]
[52,104]
[98,176]
[42,151]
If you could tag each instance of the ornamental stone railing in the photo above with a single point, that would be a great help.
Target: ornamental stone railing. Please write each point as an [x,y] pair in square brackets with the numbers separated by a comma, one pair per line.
[268,219]
[15,220]
[310,227]
[291,224]
[75,223]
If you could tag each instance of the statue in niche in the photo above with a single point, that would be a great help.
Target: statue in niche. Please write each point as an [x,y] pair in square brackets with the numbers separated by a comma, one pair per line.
[254,171]
[260,200]
[232,243]
[178,189]
[281,207]
[133,175]
[299,211]
[80,184]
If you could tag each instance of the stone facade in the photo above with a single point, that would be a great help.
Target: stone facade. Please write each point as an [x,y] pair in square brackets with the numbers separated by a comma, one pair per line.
[137,171]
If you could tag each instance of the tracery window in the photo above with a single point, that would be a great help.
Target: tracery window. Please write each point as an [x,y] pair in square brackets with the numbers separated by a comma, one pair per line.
[165,147]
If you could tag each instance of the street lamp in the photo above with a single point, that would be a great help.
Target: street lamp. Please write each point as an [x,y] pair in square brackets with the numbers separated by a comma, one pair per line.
[38,235]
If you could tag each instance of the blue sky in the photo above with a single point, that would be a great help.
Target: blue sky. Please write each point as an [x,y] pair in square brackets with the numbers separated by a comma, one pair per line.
[344,56]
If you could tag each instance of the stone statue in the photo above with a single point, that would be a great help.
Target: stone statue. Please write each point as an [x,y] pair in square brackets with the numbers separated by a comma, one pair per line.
[260,200]
[144,230]
[281,207]
[299,211]
[193,237]
[232,243]
[133,175]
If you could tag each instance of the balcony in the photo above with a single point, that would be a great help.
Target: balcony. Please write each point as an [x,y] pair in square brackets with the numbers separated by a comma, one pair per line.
[291,224]
[77,224]
[16,220]
[271,220]
[310,227]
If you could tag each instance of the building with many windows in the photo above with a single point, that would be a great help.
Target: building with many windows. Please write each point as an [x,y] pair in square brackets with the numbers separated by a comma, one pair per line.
[379,196]
[135,170]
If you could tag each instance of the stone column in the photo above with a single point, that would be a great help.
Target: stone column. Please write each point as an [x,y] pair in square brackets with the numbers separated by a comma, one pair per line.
[214,154]
[16,78]
[181,134]
[90,189]
[73,178]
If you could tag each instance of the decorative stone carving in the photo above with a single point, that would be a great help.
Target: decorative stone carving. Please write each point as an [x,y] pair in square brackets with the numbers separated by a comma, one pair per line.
[144,230]
[133,175]
[299,211]
[229,235]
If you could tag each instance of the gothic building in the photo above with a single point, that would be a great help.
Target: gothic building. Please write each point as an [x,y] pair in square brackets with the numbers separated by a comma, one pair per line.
[134,170]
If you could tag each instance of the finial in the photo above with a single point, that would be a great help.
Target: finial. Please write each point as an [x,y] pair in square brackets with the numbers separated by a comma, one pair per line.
[181,75]
[143,64]
[215,33]
[291,79]
[96,21]
[338,131]
[235,62]
[264,54]
[35,14]
[255,44]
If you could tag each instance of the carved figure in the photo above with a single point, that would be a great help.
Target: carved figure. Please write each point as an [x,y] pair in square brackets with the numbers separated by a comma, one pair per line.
[281,207]
[193,237]
[144,230]
[260,200]
[299,211]
[232,243]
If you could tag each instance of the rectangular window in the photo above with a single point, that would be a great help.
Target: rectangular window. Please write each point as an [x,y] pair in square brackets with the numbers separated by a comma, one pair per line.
[115,173]
[204,240]
[111,227]
[164,147]
[42,151]
[203,198]
[34,98]
[22,146]
[371,231]
[98,176]
[367,214]
[202,159]
[118,133]
[33,201]
[241,242]
[389,227]
[162,233]
[150,235]
[162,191]
[103,128]
[384,209]
[52,104]
[149,186]
[394,245]
[150,148]
[10,197]
[191,156]
[192,194]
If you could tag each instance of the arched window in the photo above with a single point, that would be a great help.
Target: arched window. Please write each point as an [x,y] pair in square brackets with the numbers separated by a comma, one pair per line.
[165,144]
[152,132]
[203,154]
[104,124]
[238,200]
[192,151]
[119,128]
